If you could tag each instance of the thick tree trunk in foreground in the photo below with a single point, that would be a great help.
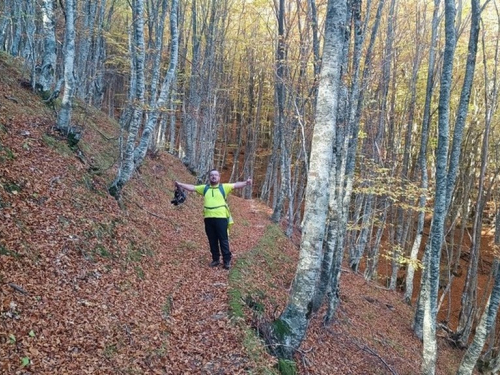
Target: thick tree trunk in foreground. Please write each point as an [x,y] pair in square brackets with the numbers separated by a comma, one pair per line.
[290,328]
[347,140]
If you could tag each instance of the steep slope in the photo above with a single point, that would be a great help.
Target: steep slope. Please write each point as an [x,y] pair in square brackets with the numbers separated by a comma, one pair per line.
[87,287]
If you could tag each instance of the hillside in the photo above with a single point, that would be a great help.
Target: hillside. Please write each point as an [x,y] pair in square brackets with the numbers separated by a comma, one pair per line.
[89,288]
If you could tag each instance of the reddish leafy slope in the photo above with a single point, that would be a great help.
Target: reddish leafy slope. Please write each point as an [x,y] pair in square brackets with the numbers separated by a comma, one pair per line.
[88,288]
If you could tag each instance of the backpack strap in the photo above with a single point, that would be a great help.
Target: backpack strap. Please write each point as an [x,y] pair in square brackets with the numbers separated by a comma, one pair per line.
[221,188]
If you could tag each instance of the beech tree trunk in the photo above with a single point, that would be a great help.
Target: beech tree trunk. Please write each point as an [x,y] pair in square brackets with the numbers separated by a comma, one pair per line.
[484,327]
[291,327]
[193,102]
[488,318]
[347,138]
[46,71]
[134,111]
[356,251]
[280,122]
[64,116]
[430,278]
[469,296]
[490,359]
[133,154]
[422,169]
[159,103]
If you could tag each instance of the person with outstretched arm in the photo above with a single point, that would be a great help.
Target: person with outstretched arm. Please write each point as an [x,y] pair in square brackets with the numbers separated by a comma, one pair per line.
[216,214]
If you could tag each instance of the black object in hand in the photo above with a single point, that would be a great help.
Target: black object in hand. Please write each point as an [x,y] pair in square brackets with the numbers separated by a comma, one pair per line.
[179,196]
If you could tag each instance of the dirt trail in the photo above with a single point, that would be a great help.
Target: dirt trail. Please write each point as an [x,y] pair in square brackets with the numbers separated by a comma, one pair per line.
[200,332]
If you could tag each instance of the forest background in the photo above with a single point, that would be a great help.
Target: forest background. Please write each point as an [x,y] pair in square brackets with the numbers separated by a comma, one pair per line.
[237,86]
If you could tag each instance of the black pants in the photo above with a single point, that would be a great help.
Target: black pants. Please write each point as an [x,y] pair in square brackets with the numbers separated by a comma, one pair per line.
[216,229]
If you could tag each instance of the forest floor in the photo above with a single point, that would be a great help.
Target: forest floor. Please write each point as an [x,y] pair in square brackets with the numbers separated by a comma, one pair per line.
[88,287]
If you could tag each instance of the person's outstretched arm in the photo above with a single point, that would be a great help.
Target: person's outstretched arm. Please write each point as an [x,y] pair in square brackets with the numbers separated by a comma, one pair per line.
[242,184]
[187,187]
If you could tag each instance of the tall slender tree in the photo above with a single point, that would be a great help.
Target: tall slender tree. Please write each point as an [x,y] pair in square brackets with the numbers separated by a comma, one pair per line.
[469,297]
[135,146]
[193,102]
[488,318]
[422,169]
[356,251]
[45,77]
[159,102]
[64,116]
[280,120]
[133,113]
[429,290]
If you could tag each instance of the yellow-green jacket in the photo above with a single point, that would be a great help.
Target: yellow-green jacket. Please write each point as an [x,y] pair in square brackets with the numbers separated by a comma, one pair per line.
[215,205]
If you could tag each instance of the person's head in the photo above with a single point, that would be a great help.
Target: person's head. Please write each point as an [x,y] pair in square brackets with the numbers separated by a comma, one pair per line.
[214,177]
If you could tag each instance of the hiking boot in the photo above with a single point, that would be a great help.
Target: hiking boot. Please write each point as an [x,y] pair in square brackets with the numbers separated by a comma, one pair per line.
[227,265]
[214,263]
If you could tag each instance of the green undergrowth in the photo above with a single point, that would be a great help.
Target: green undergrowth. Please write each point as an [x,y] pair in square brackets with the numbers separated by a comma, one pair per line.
[252,284]
[55,144]
[103,151]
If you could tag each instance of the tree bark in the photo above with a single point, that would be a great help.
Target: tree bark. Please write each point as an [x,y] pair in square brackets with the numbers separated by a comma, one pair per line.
[422,168]
[137,100]
[162,100]
[46,72]
[291,327]
[354,121]
[64,116]
[484,327]
[469,296]
[83,63]
[280,122]
[437,226]
[193,102]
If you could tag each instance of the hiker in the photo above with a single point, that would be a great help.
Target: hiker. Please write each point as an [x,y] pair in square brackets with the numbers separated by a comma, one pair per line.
[216,214]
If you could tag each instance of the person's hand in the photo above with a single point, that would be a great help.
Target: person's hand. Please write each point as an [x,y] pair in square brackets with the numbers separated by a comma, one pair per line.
[249,182]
